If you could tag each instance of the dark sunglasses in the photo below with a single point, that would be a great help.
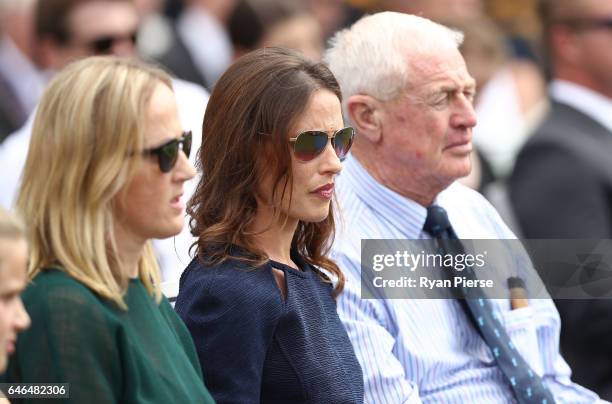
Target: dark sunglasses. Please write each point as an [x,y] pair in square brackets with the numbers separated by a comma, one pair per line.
[167,154]
[104,44]
[308,145]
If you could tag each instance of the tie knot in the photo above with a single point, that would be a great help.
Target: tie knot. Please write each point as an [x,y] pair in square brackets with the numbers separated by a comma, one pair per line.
[437,223]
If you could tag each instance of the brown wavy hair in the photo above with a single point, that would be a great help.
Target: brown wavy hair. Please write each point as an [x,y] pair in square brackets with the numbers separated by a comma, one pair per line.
[251,111]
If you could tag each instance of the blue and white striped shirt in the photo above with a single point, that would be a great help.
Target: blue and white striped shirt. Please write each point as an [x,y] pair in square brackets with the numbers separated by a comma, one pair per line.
[428,350]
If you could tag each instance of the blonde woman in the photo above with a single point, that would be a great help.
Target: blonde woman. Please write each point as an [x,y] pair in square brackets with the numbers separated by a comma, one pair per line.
[104,175]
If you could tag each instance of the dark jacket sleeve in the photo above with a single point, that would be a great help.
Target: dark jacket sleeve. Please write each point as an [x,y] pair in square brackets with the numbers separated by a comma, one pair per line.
[231,314]
[557,195]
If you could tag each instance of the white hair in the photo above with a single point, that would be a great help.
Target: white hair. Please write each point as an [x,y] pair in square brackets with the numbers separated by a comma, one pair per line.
[370,57]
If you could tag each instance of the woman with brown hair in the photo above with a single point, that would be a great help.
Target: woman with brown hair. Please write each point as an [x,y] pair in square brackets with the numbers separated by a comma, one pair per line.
[258,298]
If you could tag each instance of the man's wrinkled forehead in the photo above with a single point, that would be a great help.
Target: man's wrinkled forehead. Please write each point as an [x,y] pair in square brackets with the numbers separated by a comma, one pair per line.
[446,68]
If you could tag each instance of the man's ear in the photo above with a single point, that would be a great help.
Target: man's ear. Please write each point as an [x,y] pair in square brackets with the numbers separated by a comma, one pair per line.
[364,112]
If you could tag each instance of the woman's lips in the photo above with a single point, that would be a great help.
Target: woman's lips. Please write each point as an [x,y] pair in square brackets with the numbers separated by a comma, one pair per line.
[326,191]
[177,202]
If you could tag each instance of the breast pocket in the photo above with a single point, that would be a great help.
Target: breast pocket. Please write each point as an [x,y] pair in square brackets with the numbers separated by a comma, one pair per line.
[521,326]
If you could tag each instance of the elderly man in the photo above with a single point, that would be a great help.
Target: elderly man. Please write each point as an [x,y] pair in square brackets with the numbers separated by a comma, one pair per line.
[409,96]
[567,160]
[68,30]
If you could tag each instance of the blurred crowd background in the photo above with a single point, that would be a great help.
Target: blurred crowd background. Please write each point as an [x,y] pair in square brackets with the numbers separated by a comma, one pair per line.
[196,40]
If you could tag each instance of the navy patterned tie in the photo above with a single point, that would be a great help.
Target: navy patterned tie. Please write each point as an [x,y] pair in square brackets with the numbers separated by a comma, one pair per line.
[526,384]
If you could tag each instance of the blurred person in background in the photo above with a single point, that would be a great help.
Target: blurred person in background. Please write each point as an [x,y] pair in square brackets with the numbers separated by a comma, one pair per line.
[510,99]
[201,49]
[20,80]
[13,267]
[561,186]
[333,15]
[258,299]
[510,102]
[256,24]
[99,321]
[68,30]
[155,30]
[520,22]
[443,11]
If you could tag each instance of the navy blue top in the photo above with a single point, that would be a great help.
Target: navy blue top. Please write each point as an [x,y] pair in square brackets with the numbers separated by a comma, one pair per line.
[255,346]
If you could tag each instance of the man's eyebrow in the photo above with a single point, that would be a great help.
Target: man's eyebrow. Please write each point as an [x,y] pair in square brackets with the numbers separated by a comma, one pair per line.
[470,83]
[442,90]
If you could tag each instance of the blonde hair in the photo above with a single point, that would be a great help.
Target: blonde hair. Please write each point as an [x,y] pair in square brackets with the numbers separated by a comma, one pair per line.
[11,228]
[90,118]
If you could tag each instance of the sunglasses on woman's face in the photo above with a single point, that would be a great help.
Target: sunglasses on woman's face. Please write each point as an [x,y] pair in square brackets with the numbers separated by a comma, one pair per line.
[308,145]
[167,154]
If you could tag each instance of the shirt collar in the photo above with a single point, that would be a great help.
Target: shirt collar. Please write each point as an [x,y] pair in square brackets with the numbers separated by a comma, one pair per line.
[405,214]
[587,101]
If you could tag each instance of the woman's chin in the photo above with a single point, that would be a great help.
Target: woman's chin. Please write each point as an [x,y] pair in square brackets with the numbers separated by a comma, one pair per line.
[315,217]
[169,231]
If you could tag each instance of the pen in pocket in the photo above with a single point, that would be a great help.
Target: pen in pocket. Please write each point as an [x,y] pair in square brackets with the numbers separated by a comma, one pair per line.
[518,293]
